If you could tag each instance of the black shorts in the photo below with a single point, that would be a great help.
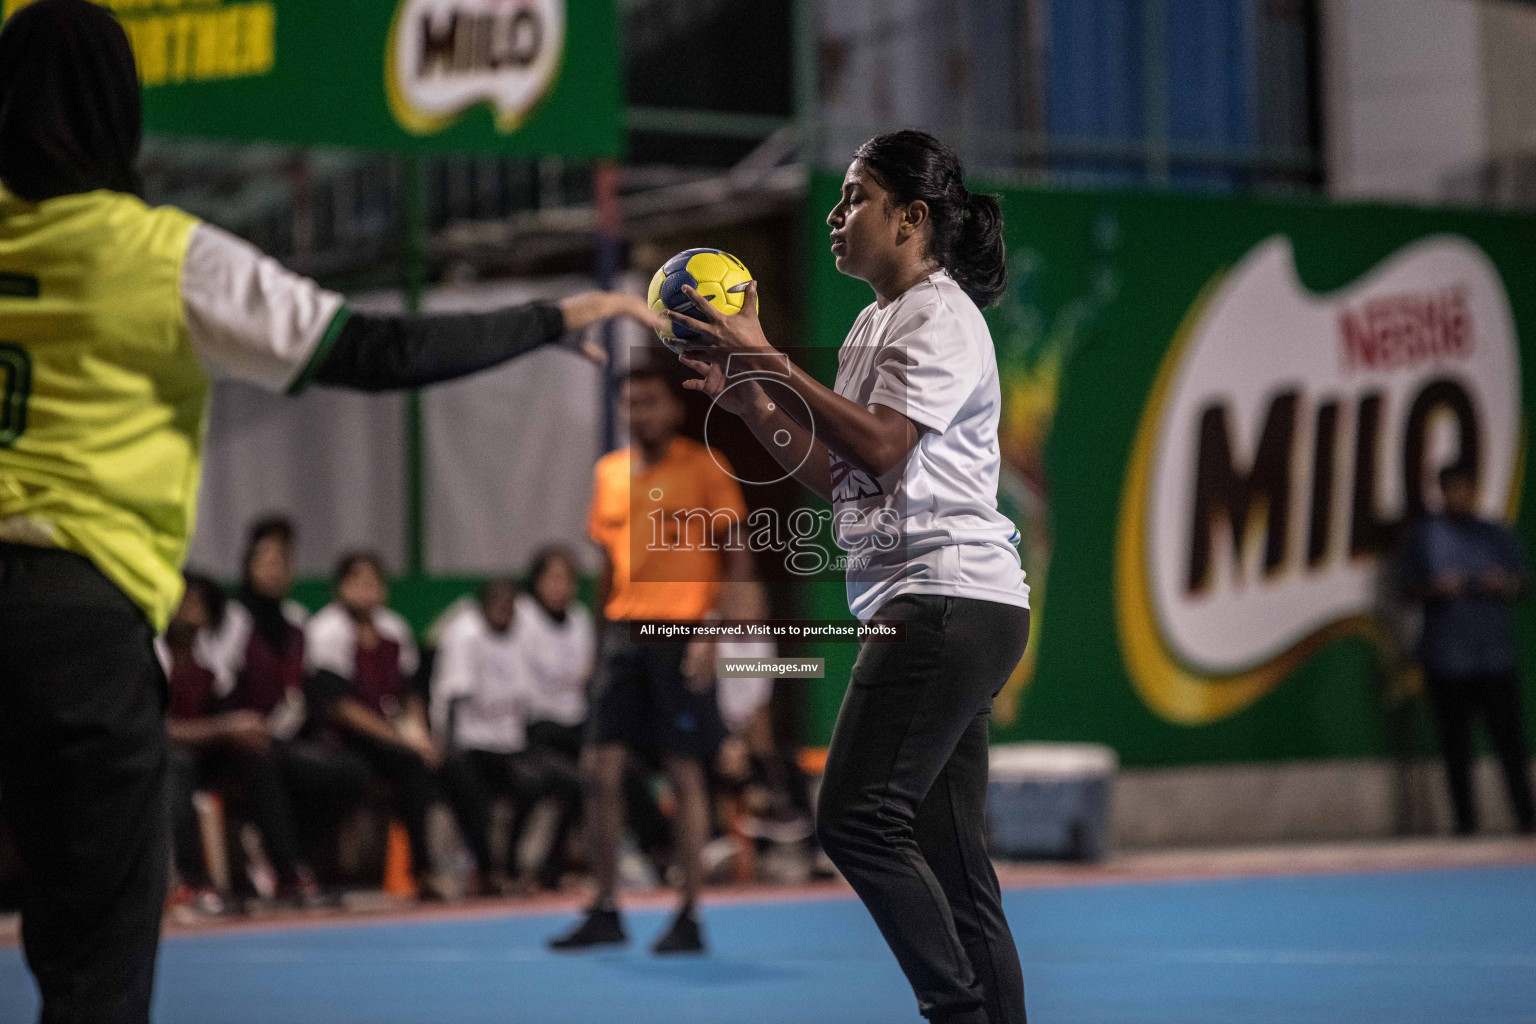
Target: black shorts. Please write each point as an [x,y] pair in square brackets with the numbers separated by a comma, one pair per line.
[643,701]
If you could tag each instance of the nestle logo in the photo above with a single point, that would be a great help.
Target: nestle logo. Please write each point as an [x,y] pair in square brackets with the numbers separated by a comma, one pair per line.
[1395,331]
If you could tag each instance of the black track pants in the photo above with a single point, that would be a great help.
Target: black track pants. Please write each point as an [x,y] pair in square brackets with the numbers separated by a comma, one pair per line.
[903,802]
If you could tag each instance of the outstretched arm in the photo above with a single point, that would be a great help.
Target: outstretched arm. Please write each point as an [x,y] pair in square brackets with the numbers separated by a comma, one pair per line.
[381,353]
[249,318]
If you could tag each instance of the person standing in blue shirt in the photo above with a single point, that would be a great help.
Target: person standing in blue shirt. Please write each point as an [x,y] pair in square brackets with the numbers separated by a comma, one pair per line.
[1468,572]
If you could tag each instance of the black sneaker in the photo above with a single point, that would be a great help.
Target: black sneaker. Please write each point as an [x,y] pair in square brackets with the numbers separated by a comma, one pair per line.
[683,937]
[599,928]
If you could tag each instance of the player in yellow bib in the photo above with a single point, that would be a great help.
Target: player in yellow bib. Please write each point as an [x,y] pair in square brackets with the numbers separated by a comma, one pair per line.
[114,317]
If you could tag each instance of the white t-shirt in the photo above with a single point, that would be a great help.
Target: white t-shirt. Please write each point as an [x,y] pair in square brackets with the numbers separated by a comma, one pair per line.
[485,674]
[466,605]
[930,525]
[559,657]
[740,697]
[330,641]
[248,317]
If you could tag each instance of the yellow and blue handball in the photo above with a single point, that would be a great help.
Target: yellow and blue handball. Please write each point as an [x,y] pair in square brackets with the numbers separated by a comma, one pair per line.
[712,273]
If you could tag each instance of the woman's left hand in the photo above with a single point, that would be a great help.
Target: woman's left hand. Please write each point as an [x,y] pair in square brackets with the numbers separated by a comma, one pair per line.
[722,333]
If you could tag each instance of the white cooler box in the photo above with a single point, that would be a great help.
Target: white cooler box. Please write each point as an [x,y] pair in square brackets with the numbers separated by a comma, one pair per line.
[1050,800]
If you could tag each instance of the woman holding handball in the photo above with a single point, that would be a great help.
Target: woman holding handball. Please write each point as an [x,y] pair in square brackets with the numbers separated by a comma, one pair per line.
[905,447]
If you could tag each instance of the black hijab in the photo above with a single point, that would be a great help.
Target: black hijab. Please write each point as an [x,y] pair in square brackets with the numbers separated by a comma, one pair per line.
[270,622]
[267,617]
[70,114]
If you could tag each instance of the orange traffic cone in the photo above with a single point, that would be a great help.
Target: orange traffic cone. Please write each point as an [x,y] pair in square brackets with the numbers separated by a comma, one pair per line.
[399,879]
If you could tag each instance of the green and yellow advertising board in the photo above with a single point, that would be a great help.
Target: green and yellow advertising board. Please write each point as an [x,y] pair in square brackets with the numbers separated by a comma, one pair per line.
[1216,412]
[529,77]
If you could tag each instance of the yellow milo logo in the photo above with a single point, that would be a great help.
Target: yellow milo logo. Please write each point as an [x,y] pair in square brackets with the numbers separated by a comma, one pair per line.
[445,56]
[1286,436]
[194,40]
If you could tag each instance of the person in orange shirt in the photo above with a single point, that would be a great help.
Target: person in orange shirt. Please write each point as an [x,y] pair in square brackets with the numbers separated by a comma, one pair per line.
[671,521]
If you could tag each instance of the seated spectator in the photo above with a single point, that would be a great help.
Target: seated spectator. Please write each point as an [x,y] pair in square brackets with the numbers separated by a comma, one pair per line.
[214,743]
[185,655]
[555,632]
[766,795]
[263,635]
[481,692]
[362,659]
[261,650]
[743,704]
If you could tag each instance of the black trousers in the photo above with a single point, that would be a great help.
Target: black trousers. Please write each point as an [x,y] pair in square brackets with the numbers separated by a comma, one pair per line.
[326,783]
[254,779]
[82,781]
[903,802]
[293,792]
[411,790]
[1456,700]
[474,776]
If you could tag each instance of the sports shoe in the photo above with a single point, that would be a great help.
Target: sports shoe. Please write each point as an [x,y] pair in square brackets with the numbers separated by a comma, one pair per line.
[599,928]
[684,936]
[195,904]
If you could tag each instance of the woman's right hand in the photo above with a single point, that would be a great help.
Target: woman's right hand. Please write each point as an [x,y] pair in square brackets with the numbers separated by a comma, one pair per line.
[738,398]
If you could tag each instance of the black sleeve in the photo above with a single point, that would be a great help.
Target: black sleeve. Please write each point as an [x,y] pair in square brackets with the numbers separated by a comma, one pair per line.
[385,353]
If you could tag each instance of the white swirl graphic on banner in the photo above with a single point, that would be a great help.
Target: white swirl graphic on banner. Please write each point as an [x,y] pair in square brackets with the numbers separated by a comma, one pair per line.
[448,55]
[1287,434]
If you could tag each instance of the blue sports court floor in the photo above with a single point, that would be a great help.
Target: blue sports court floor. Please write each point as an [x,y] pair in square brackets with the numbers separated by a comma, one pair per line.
[1419,947]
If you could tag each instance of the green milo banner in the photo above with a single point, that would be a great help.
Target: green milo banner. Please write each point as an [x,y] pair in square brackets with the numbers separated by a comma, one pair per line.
[1216,414]
[474,76]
